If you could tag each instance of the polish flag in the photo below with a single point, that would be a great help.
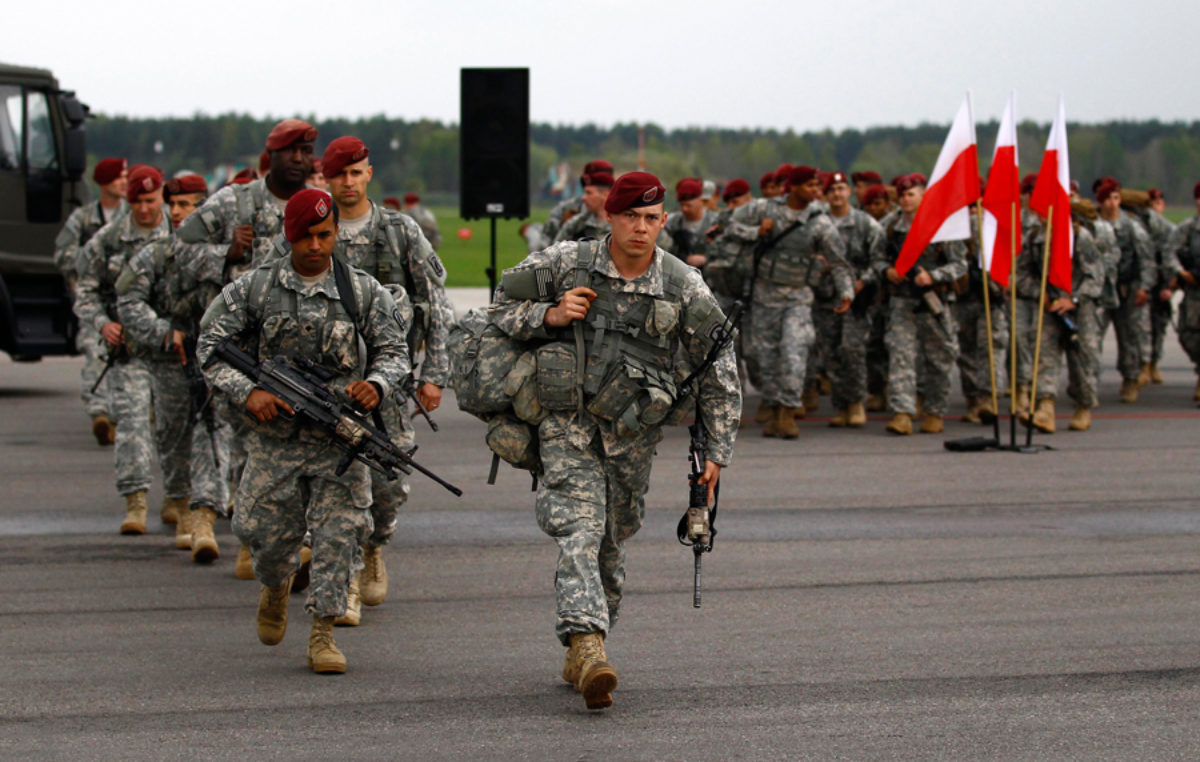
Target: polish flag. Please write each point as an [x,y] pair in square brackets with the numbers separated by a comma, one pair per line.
[1001,232]
[954,185]
[1053,190]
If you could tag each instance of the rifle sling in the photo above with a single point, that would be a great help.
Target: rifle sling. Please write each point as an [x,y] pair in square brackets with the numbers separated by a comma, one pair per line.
[345,289]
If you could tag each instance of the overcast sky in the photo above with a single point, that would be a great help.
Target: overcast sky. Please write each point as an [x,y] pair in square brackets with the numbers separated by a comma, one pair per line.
[798,65]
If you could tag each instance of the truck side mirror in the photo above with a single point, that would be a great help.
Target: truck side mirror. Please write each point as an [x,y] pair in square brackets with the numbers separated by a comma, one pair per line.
[76,113]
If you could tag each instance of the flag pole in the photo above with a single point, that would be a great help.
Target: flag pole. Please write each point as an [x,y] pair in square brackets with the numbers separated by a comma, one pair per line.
[1037,347]
[987,312]
[1012,318]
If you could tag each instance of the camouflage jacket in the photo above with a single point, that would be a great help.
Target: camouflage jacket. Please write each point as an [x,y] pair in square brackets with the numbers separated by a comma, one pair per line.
[800,259]
[103,260]
[584,226]
[688,239]
[151,298]
[429,224]
[719,390]
[209,230]
[1159,229]
[554,222]
[945,261]
[1182,252]
[1137,268]
[79,228]
[864,242]
[1087,267]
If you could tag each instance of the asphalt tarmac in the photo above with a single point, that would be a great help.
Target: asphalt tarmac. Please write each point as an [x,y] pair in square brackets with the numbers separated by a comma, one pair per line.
[868,598]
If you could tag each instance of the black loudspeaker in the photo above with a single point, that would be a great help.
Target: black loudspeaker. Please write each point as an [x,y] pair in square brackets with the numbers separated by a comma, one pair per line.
[494,143]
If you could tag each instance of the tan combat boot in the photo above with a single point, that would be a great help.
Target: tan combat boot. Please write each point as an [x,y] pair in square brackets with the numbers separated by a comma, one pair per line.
[825,386]
[841,420]
[324,658]
[597,679]
[204,543]
[103,430]
[972,414]
[169,513]
[243,567]
[856,415]
[135,513]
[1129,391]
[353,615]
[1043,416]
[303,575]
[877,403]
[785,423]
[901,424]
[570,672]
[987,413]
[1022,398]
[769,430]
[811,398]
[1144,375]
[183,529]
[1156,376]
[766,413]
[272,613]
[1082,420]
[932,424]
[373,579]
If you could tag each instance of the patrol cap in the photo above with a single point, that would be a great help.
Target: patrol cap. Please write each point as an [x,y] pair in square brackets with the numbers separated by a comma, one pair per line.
[289,131]
[1107,188]
[867,176]
[108,170]
[634,190]
[601,179]
[876,191]
[342,152]
[736,187]
[185,184]
[832,178]
[306,208]
[412,198]
[904,182]
[143,179]
[800,174]
[709,188]
[688,188]
[1028,181]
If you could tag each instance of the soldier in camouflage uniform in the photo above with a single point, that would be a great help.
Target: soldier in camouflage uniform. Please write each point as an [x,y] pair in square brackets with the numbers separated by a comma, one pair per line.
[390,247]
[782,333]
[157,310]
[292,307]
[972,320]
[564,210]
[631,304]
[918,340]
[425,218]
[592,223]
[100,266]
[688,226]
[112,176]
[1182,257]
[1078,306]
[1158,228]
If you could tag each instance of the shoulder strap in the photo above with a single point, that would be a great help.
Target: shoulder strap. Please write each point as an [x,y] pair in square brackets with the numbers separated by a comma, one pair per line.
[583,263]
[256,297]
[674,273]
[342,277]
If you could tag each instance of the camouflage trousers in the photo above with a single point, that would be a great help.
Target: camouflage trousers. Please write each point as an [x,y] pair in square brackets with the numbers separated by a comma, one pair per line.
[388,496]
[747,364]
[139,388]
[973,365]
[780,338]
[877,356]
[1160,318]
[1083,364]
[1189,328]
[209,465]
[1026,336]
[590,503]
[95,353]
[1132,326]
[919,342]
[843,341]
[289,488]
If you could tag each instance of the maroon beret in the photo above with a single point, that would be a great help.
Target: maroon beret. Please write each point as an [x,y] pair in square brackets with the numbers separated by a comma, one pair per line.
[904,182]
[1101,181]
[306,208]
[1028,181]
[317,164]
[801,174]
[736,187]
[832,178]
[412,198]
[782,172]
[689,188]
[1106,189]
[341,152]
[1154,194]
[602,179]
[289,131]
[243,176]
[598,165]
[869,176]
[1196,191]
[264,161]
[108,170]
[767,179]
[185,184]
[876,191]
[633,190]
[143,179]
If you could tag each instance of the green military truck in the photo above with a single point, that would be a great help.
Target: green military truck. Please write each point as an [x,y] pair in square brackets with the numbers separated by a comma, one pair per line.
[42,162]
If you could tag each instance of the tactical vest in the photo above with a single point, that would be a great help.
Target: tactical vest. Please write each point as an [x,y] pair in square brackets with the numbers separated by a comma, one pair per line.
[92,224]
[932,258]
[791,261]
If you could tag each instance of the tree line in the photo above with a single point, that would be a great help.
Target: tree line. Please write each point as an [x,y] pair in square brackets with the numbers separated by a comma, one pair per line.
[422,156]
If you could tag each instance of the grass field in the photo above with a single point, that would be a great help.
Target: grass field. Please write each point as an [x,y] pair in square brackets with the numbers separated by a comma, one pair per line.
[467,261]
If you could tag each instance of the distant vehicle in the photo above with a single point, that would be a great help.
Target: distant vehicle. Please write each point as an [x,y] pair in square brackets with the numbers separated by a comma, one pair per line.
[42,161]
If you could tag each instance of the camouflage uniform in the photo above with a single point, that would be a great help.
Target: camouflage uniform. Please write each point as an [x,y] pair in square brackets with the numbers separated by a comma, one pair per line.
[130,387]
[1136,270]
[1159,229]
[289,486]
[152,303]
[554,222]
[843,338]
[1183,253]
[585,226]
[781,324]
[730,258]
[591,494]
[428,222]
[79,228]
[688,237]
[918,342]
[972,322]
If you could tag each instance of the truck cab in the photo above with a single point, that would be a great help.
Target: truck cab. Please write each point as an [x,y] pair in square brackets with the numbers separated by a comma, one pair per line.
[42,162]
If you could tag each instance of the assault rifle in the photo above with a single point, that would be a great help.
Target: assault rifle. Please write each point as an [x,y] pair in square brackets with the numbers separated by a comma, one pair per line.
[119,353]
[301,384]
[199,396]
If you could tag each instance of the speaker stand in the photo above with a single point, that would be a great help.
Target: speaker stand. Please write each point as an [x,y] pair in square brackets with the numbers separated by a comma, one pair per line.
[491,271]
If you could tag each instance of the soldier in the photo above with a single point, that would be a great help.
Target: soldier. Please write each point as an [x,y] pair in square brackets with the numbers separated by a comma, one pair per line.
[1182,257]
[710,194]
[569,207]
[425,218]
[1159,229]
[877,202]
[687,227]
[393,203]
[390,247]
[112,177]
[1078,307]
[727,268]
[921,335]
[163,314]
[316,179]
[862,182]
[972,320]
[805,243]
[592,224]
[100,265]
[293,307]
[1136,277]
[768,186]
[843,337]
[596,469]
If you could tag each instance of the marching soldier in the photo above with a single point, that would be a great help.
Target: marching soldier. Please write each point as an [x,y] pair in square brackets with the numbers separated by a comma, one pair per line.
[1158,228]
[1182,257]
[596,461]
[687,226]
[425,218]
[592,223]
[293,307]
[569,207]
[972,320]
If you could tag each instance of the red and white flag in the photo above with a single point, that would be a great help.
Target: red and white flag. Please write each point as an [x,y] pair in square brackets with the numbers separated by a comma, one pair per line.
[1002,200]
[953,186]
[1052,199]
